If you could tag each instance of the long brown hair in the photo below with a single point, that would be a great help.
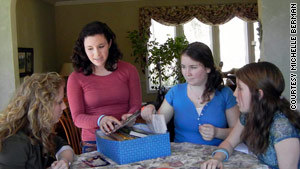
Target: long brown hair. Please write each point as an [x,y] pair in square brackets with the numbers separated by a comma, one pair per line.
[200,52]
[267,77]
[31,110]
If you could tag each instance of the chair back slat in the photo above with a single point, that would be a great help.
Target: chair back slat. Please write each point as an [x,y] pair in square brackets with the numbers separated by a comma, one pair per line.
[71,131]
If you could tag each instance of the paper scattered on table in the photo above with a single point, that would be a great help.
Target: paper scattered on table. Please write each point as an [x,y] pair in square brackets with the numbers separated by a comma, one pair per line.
[158,124]
[96,161]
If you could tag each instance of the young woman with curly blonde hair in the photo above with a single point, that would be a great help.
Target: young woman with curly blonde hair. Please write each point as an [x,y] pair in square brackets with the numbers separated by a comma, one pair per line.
[27,138]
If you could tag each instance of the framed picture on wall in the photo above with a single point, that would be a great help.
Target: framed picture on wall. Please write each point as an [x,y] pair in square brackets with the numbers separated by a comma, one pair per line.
[25,61]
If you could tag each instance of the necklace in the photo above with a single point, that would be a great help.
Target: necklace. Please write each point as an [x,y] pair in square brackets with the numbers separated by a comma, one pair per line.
[199,106]
[198,98]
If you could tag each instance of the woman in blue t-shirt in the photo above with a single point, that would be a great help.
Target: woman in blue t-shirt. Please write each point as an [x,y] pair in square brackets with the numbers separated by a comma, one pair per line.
[204,110]
[267,124]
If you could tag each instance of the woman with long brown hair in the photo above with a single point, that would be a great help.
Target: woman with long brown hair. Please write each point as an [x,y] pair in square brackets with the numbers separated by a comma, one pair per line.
[267,124]
[204,110]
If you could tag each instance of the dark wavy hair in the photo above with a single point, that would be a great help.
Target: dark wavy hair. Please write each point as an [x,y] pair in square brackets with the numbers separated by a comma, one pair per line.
[267,77]
[80,60]
[201,53]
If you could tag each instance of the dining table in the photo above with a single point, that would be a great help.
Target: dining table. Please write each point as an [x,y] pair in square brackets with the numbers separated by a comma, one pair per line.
[183,156]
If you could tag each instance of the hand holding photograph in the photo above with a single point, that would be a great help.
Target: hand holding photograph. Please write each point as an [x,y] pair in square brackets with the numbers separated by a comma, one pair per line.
[129,120]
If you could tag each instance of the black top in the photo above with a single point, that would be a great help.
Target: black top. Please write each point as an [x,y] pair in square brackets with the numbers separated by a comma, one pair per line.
[18,153]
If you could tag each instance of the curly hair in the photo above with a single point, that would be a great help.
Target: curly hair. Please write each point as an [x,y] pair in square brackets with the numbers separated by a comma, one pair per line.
[201,53]
[267,77]
[80,60]
[31,110]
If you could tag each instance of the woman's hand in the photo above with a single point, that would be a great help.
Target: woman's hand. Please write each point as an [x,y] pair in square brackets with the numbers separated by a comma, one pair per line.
[60,164]
[212,164]
[147,112]
[108,123]
[125,117]
[207,131]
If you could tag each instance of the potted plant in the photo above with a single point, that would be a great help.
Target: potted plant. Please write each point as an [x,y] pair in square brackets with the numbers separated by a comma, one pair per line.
[161,59]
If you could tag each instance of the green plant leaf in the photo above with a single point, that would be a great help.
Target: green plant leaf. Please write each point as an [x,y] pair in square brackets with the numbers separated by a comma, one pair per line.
[166,54]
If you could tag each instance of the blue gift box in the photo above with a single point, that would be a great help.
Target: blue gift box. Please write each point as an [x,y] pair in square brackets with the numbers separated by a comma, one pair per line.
[128,151]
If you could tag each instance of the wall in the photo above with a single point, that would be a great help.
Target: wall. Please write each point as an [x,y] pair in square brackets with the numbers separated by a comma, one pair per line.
[8,52]
[275,17]
[36,29]
[120,16]
[24,23]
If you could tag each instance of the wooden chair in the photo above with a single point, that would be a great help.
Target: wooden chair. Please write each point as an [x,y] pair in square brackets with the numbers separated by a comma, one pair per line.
[229,77]
[71,131]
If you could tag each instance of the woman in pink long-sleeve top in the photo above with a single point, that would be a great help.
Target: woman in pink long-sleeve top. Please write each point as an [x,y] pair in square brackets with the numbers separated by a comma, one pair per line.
[102,90]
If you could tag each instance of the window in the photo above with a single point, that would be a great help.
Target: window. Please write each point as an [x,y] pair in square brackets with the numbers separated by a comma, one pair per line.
[235,43]
[256,41]
[161,32]
[197,31]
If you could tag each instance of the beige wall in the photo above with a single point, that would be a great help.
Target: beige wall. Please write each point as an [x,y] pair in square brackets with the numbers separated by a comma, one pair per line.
[36,29]
[24,23]
[120,16]
[275,18]
[8,43]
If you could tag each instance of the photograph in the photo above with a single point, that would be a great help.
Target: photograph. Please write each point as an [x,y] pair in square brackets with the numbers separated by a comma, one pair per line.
[22,62]
[29,62]
[26,58]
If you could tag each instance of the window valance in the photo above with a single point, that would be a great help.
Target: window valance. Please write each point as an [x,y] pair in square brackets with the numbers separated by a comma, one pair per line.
[215,14]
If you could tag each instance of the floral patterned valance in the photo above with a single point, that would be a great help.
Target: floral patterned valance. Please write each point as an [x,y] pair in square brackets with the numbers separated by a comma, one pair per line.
[209,14]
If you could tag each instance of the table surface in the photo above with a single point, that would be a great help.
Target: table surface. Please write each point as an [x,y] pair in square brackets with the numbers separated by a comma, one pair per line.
[184,155]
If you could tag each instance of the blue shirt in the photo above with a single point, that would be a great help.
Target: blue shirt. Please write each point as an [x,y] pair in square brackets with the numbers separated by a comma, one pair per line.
[280,129]
[187,120]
